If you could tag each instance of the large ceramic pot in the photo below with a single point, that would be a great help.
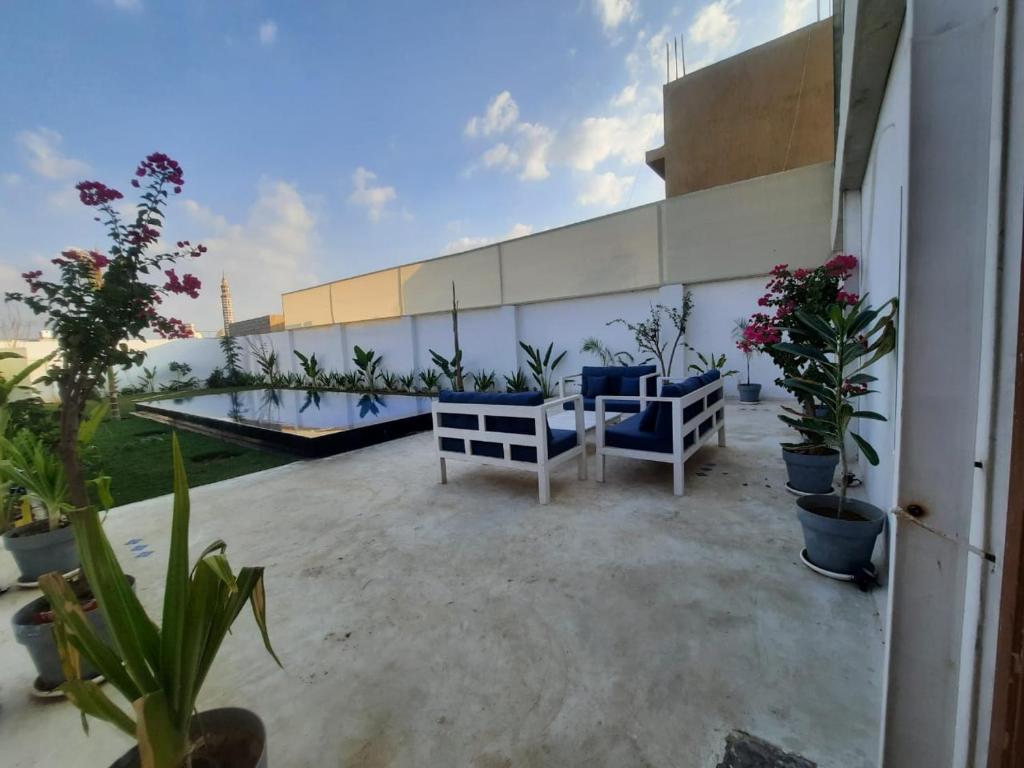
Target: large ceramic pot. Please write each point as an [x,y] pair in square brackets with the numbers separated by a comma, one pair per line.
[839,543]
[38,550]
[33,628]
[749,393]
[810,472]
[233,738]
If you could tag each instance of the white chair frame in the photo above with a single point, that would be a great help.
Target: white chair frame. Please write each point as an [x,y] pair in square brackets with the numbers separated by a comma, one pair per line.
[680,429]
[643,388]
[538,440]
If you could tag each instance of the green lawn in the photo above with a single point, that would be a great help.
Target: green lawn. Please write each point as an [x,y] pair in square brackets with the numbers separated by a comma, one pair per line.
[136,453]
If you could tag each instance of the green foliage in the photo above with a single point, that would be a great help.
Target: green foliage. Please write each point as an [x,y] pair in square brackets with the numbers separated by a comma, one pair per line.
[648,333]
[232,354]
[542,366]
[594,346]
[407,381]
[159,670]
[431,379]
[368,364]
[312,370]
[266,360]
[452,369]
[835,347]
[389,381]
[16,384]
[517,381]
[183,378]
[484,380]
[709,363]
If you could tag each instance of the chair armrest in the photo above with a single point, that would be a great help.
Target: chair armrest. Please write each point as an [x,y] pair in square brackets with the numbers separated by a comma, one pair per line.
[561,383]
[576,399]
[643,386]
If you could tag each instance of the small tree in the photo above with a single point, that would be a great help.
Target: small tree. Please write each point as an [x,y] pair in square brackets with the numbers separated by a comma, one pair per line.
[98,301]
[452,368]
[648,333]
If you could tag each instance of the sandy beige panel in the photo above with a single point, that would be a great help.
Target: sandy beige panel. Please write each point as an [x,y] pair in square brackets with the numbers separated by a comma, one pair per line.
[311,306]
[367,297]
[606,255]
[427,285]
[746,228]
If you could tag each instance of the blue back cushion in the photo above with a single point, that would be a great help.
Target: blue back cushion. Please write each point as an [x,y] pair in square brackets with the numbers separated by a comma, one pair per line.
[713,375]
[617,379]
[630,386]
[595,385]
[512,424]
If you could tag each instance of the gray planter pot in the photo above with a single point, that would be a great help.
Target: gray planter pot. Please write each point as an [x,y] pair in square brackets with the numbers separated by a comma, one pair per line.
[42,648]
[39,553]
[810,473]
[839,545]
[750,393]
[237,735]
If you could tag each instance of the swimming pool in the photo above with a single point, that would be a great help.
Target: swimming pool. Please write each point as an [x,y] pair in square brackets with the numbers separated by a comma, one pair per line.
[309,423]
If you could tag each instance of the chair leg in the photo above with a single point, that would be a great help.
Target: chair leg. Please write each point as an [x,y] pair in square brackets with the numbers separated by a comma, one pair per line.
[677,478]
[721,436]
[544,486]
[581,464]
[444,472]
[599,470]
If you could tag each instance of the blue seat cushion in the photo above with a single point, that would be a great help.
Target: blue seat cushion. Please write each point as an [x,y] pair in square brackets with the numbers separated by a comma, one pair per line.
[628,434]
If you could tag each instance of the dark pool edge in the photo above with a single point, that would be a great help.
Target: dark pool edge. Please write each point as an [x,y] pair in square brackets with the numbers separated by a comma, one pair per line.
[283,442]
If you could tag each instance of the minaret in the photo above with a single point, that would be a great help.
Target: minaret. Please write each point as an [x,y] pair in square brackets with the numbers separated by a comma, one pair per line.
[225,304]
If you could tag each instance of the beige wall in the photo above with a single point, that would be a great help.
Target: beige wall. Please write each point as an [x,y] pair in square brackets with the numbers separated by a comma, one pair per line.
[737,230]
[745,229]
[367,297]
[427,285]
[607,255]
[766,110]
[311,306]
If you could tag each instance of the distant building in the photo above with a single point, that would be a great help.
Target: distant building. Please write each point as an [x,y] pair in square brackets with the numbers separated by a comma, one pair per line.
[767,110]
[226,306]
[257,325]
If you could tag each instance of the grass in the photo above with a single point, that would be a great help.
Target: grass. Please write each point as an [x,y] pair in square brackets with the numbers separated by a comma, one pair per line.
[136,453]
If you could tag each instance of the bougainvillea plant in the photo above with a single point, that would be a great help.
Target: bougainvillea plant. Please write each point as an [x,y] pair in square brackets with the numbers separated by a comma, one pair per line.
[811,290]
[99,301]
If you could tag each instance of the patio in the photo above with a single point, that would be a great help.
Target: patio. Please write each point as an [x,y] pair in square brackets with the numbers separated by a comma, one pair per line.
[465,625]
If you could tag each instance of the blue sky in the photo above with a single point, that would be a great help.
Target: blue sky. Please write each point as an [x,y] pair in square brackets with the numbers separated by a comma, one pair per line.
[326,139]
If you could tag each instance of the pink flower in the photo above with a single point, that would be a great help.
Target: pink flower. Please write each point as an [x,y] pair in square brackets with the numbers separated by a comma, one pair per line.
[842,297]
[93,193]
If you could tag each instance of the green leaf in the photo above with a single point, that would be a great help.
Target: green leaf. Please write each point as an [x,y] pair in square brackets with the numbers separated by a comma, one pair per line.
[88,697]
[866,449]
[868,415]
[800,350]
[176,588]
[161,743]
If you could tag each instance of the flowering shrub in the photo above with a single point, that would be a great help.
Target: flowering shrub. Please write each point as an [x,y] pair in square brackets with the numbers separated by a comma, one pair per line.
[98,301]
[811,290]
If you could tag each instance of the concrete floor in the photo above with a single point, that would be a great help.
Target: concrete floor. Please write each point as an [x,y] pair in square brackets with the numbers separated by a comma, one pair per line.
[464,625]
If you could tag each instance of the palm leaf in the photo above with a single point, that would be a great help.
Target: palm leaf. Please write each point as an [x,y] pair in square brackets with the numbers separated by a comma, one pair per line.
[865,447]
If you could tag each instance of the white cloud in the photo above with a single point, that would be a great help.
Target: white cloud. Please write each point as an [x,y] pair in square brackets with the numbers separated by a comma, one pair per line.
[626,96]
[714,27]
[534,144]
[272,251]
[45,157]
[468,243]
[501,114]
[614,12]
[11,179]
[268,32]
[795,14]
[605,189]
[500,156]
[374,198]
[128,5]
[597,139]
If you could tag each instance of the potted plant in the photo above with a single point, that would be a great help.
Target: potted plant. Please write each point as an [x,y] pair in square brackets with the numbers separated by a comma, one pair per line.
[810,467]
[749,392]
[40,539]
[711,362]
[160,669]
[838,346]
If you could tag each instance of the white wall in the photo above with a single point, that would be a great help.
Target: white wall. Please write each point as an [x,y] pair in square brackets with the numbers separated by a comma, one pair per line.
[879,243]
[716,308]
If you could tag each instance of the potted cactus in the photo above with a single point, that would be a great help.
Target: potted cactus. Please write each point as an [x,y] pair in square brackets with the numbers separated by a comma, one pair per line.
[160,669]
[838,345]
